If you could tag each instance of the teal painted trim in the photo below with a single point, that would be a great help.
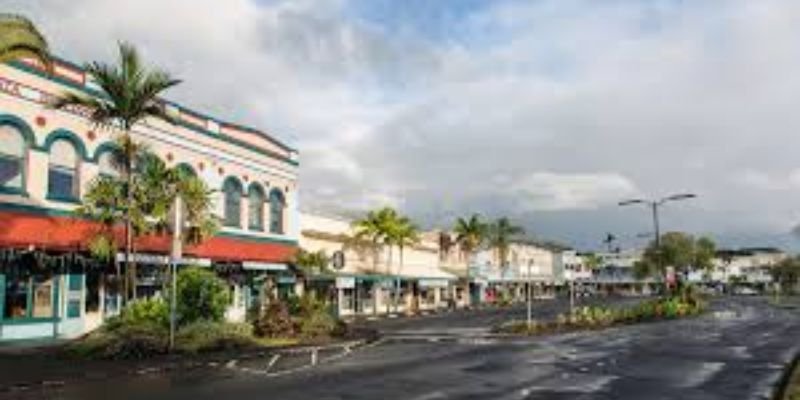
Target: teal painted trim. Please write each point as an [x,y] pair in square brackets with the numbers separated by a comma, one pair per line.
[2,296]
[63,199]
[92,92]
[57,79]
[259,239]
[256,186]
[261,134]
[66,213]
[29,300]
[238,142]
[50,212]
[56,297]
[70,136]
[30,140]
[31,320]
[14,190]
[100,150]
[19,123]
[233,180]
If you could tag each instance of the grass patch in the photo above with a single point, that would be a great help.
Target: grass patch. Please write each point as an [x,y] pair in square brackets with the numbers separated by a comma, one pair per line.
[792,389]
[586,318]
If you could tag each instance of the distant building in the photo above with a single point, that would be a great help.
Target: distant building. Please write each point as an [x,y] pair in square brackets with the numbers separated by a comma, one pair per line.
[377,282]
[747,264]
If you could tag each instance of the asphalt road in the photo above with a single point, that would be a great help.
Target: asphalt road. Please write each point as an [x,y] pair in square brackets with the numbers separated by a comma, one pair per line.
[737,351]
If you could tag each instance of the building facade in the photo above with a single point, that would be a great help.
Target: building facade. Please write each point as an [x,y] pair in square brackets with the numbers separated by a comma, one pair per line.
[49,286]
[381,281]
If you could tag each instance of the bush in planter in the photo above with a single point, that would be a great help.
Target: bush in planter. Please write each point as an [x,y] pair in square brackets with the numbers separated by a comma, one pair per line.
[202,295]
[211,335]
[315,320]
[274,321]
[140,331]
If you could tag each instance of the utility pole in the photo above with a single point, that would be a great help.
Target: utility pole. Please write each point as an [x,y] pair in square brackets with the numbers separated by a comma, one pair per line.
[175,256]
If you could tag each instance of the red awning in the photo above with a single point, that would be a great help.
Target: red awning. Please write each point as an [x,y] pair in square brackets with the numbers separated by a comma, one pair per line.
[22,230]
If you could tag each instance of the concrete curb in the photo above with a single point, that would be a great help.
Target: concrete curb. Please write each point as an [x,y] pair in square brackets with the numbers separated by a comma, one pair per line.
[781,384]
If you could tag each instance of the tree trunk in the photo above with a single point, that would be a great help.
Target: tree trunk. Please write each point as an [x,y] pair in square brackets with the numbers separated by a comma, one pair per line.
[130,286]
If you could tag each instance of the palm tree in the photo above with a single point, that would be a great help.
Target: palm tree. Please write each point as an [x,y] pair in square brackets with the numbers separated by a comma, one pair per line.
[311,262]
[19,38]
[154,192]
[376,228]
[159,188]
[609,241]
[501,232]
[404,234]
[470,235]
[129,95]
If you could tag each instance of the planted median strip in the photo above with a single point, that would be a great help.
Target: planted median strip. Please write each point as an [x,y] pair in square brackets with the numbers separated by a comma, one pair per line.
[594,317]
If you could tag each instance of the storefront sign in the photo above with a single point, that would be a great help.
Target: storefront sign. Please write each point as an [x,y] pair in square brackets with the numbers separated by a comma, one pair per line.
[433,283]
[262,266]
[286,279]
[346,282]
[158,259]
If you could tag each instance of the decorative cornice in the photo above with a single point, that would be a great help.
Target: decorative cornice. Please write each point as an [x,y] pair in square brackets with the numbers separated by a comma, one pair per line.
[187,118]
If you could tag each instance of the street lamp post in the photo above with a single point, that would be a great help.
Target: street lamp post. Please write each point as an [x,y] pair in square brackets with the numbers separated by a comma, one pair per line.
[654,205]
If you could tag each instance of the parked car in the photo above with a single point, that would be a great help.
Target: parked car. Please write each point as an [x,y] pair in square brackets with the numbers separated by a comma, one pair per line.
[745,291]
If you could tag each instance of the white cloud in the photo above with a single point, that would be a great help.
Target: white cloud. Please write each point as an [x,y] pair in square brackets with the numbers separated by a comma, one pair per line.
[670,96]
[548,191]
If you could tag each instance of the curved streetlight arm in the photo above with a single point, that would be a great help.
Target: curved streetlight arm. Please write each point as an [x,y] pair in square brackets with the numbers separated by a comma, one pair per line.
[633,201]
[676,197]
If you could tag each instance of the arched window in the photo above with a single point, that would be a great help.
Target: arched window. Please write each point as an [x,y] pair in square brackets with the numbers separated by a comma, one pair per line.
[255,201]
[12,158]
[62,177]
[233,203]
[105,164]
[276,205]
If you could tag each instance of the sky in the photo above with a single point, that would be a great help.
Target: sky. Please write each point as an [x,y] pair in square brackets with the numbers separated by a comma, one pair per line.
[546,111]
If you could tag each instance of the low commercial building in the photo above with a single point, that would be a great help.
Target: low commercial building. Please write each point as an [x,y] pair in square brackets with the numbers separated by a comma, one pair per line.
[748,265]
[376,280]
[49,285]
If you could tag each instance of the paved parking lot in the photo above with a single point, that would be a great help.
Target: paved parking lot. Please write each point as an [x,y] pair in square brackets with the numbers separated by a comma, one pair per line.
[736,351]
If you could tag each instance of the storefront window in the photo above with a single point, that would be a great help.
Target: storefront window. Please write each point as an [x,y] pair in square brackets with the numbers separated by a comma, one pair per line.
[42,298]
[16,301]
[27,297]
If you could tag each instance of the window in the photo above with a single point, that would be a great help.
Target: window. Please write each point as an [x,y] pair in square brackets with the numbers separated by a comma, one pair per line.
[28,297]
[12,157]
[255,201]
[42,298]
[276,205]
[62,183]
[233,203]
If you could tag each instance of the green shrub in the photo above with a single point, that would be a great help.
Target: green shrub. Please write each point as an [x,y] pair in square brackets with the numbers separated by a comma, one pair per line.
[201,296]
[211,335]
[142,312]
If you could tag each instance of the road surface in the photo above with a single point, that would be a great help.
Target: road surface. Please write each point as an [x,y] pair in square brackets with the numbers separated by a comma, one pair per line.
[736,351]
